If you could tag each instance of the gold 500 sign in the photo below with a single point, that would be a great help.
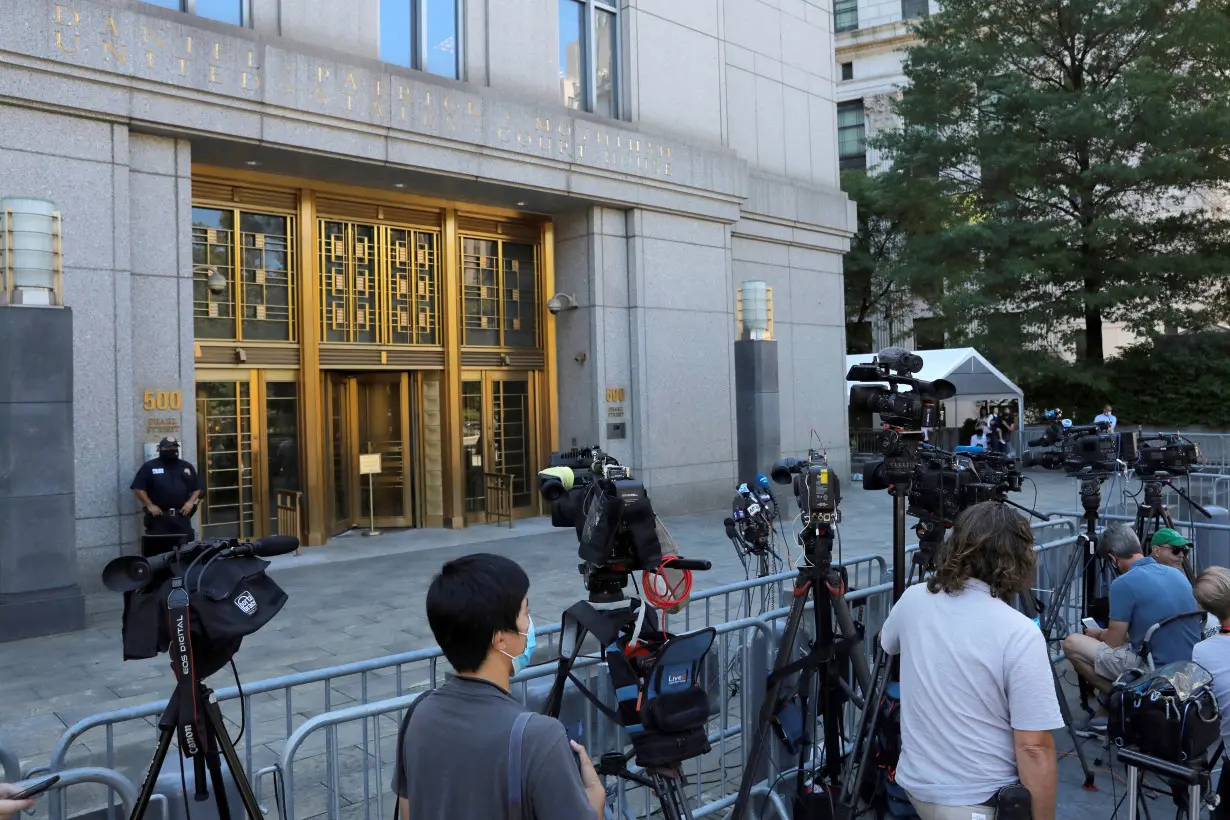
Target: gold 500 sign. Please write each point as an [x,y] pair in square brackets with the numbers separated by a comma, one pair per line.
[162,400]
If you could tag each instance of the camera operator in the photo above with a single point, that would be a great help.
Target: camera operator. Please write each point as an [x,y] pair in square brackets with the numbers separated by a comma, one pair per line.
[168,490]
[978,701]
[9,807]
[1144,593]
[454,761]
[1212,592]
[1107,417]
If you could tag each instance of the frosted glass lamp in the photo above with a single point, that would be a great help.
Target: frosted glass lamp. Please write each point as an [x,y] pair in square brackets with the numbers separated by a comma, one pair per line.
[30,260]
[755,310]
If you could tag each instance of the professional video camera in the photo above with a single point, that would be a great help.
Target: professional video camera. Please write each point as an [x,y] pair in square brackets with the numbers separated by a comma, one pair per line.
[1083,448]
[817,489]
[913,410]
[1163,453]
[198,601]
[999,470]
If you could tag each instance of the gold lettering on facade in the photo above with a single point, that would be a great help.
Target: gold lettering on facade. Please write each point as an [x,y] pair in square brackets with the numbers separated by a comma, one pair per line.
[544,143]
[149,58]
[290,71]
[252,81]
[147,35]
[321,74]
[252,59]
[473,110]
[60,43]
[188,47]
[350,83]
[115,32]
[60,16]
[120,54]
[213,75]
[377,107]
[217,51]
[543,125]
[450,121]
[183,67]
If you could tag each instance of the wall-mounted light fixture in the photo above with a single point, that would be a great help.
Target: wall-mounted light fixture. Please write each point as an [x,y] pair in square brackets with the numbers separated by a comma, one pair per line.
[561,302]
[31,262]
[754,313]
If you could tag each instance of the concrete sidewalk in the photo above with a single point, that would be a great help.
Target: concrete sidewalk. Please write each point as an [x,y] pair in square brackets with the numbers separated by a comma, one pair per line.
[355,599]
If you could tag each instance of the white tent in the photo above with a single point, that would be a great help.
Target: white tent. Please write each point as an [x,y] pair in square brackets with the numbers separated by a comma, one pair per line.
[969,371]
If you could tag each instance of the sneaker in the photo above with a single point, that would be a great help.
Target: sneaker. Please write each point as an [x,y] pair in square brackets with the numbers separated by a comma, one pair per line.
[1096,727]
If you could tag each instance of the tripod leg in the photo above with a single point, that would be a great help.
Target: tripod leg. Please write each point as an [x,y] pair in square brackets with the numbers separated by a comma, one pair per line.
[671,796]
[784,650]
[1066,712]
[214,762]
[213,716]
[151,776]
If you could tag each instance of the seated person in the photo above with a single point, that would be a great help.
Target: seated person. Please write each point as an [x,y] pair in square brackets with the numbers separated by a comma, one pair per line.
[1144,593]
[1169,548]
[979,438]
[1212,592]
[454,762]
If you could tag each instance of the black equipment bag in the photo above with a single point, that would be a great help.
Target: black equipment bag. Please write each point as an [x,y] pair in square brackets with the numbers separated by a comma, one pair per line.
[660,696]
[230,598]
[1168,713]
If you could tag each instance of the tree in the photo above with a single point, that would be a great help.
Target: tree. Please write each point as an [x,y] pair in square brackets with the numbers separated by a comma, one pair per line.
[1074,152]
[870,267]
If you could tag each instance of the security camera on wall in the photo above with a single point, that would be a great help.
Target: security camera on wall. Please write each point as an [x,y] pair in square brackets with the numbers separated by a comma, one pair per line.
[560,302]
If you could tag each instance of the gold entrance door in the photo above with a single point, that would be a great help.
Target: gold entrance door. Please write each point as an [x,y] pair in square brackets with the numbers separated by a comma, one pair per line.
[370,413]
[247,450]
[498,436]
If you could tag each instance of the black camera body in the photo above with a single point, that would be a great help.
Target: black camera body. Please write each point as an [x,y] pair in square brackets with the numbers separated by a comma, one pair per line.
[1167,453]
[1084,448]
[999,470]
[817,489]
[912,410]
[610,510]
[940,486]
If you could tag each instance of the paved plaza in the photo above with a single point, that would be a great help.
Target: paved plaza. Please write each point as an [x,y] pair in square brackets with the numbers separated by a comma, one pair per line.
[355,599]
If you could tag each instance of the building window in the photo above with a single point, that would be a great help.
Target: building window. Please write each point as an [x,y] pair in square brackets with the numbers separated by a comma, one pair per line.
[588,56]
[847,71]
[851,134]
[421,34]
[499,283]
[244,275]
[235,12]
[845,15]
[911,9]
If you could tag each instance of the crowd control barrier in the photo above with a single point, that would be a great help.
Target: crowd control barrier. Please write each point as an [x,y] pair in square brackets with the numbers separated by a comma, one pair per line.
[325,737]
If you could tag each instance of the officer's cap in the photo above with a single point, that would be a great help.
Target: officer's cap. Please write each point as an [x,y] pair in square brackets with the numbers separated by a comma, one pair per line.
[169,443]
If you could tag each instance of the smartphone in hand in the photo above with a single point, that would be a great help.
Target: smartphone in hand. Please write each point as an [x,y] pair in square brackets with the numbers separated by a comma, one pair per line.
[37,789]
[1090,623]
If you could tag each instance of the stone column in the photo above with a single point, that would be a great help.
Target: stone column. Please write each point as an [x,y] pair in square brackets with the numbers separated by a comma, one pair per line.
[758,416]
[879,118]
[39,590]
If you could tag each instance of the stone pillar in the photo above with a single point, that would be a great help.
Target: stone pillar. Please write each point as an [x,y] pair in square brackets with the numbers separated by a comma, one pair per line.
[39,589]
[758,417]
[880,117]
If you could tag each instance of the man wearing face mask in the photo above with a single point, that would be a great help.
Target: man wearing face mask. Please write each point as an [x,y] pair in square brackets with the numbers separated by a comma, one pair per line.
[466,750]
[168,489]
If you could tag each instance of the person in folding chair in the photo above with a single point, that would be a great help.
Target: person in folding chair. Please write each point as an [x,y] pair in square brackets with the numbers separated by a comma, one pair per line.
[1212,592]
[1146,593]
[468,749]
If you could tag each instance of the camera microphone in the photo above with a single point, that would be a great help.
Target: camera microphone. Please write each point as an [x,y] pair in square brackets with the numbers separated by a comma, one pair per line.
[267,547]
[731,532]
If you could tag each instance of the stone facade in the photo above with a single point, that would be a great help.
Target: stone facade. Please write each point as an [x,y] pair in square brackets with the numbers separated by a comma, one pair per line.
[723,169]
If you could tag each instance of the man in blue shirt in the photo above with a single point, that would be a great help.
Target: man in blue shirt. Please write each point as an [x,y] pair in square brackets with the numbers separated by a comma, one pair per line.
[1144,593]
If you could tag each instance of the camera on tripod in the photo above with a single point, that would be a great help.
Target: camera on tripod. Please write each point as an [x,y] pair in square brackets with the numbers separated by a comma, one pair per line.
[1163,453]
[1083,448]
[612,514]
[817,489]
[912,410]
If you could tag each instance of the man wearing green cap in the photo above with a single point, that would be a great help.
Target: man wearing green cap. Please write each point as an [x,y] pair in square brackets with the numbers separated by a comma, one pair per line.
[1170,548]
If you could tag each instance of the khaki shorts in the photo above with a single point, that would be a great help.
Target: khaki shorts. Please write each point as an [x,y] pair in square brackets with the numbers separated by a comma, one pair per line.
[1113,661]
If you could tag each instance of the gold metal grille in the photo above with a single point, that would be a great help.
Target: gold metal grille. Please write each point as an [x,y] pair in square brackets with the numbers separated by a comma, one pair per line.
[499,293]
[244,275]
[379,284]
[224,418]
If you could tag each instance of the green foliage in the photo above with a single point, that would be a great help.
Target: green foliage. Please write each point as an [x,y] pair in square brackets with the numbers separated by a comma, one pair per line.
[1059,150]
[869,267]
[1171,382]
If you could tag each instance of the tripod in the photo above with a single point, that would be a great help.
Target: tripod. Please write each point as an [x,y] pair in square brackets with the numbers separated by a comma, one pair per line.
[1153,514]
[192,711]
[824,583]
[604,615]
[215,739]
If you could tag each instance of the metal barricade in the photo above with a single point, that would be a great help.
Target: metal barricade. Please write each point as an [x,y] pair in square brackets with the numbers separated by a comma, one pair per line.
[289,521]
[346,757]
[498,503]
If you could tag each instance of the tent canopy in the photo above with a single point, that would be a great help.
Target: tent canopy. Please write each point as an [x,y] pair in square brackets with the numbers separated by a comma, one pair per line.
[973,376]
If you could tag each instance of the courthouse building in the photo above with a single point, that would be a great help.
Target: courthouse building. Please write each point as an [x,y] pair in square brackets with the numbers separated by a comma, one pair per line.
[457,234]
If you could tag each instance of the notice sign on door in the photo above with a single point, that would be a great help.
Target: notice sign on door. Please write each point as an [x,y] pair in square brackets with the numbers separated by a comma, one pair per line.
[369,463]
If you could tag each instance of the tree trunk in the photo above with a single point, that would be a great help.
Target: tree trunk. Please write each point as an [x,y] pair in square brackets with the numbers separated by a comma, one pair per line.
[1093,325]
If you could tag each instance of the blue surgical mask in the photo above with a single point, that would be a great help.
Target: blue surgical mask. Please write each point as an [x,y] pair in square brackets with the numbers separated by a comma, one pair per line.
[520,662]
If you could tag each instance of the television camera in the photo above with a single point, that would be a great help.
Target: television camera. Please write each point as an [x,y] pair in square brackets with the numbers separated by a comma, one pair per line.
[197,602]
[656,675]
[1168,453]
[902,414]
[1079,448]
[617,530]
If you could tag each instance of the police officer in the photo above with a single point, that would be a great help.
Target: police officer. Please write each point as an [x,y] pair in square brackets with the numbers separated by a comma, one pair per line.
[168,489]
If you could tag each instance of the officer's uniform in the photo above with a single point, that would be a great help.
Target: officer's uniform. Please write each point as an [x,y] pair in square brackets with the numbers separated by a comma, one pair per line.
[169,484]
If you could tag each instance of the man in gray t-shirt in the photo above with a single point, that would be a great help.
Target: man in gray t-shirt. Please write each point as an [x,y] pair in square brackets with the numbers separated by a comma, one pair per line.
[455,759]
[978,701]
